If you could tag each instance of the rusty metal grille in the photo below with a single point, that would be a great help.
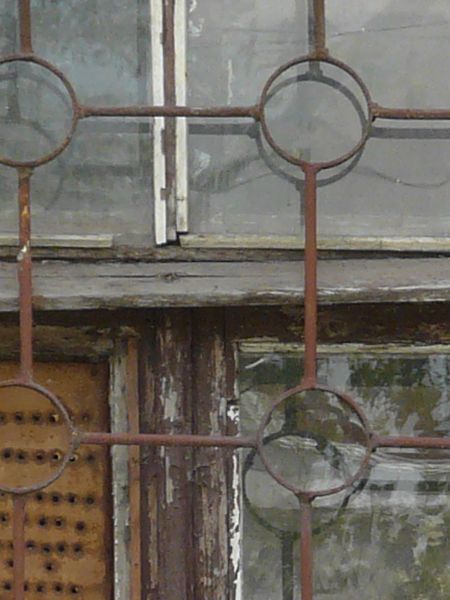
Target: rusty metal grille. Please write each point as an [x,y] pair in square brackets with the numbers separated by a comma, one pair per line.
[70,437]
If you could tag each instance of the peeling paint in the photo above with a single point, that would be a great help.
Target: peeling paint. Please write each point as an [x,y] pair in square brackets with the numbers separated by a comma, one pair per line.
[235,513]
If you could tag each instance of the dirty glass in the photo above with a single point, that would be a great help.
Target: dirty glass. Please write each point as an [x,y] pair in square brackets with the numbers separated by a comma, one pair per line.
[385,537]
[232,50]
[102,182]
[398,187]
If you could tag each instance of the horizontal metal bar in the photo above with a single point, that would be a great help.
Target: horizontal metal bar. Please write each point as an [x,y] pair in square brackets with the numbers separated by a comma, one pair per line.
[405,114]
[170,111]
[411,442]
[160,439]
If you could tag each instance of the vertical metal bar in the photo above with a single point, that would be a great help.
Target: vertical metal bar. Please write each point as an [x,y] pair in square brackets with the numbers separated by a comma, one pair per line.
[19,547]
[24,272]
[287,566]
[25,26]
[309,377]
[306,550]
[170,131]
[319,28]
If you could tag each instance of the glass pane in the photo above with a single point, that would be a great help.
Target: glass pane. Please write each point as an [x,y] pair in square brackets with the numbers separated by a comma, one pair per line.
[103,48]
[399,187]
[385,537]
[233,47]
[396,46]
[102,182]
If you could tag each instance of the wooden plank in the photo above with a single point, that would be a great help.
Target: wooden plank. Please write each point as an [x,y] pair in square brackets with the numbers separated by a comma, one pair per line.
[166,518]
[211,465]
[296,242]
[63,286]
[402,324]
[56,343]
[134,470]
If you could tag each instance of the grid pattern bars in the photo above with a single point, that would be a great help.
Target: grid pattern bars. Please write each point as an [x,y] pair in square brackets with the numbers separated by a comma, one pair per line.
[74,437]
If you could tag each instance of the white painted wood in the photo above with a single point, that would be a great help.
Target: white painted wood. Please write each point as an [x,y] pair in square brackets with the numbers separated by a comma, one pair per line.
[120,473]
[181,184]
[63,241]
[159,161]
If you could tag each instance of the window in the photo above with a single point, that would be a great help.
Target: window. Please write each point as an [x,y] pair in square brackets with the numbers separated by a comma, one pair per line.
[217,181]
[385,536]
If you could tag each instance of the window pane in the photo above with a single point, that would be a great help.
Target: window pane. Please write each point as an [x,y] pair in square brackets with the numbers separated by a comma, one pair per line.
[400,185]
[101,183]
[385,535]
[233,49]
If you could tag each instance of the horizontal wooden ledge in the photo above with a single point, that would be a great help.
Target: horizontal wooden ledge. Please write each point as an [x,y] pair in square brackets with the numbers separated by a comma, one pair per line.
[64,286]
[339,243]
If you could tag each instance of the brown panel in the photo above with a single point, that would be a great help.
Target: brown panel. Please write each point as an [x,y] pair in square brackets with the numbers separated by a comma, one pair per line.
[67,524]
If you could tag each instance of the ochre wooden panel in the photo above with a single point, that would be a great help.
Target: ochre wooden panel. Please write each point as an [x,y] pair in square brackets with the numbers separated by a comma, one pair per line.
[68,524]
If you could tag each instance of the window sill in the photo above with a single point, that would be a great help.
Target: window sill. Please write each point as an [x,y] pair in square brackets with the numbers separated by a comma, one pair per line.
[60,285]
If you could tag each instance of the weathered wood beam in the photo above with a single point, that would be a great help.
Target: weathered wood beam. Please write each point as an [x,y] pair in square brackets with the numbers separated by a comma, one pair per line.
[66,286]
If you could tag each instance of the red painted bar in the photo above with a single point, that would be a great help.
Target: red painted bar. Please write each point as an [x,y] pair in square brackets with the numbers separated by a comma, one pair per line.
[25,26]
[157,439]
[170,111]
[306,551]
[310,204]
[411,442]
[24,273]
[19,547]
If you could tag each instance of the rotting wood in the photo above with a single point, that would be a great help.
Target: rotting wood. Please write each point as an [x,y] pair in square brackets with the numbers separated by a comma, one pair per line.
[165,471]
[419,324]
[57,343]
[210,498]
[64,286]
[120,471]
[134,454]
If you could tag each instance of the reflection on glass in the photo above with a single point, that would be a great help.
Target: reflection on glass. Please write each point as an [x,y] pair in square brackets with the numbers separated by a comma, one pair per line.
[101,183]
[400,186]
[387,535]
[313,441]
[35,111]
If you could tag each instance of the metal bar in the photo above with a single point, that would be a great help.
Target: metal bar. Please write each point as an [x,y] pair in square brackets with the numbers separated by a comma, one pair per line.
[411,442]
[405,114]
[19,547]
[25,26]
[310,329]
[251,112]
[287,567]
[24,272]
[306,550]
[319,28]
[169,439]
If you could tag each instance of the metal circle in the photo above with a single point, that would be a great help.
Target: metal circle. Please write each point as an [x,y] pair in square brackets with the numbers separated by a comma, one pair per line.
[20,58]
[343,399]
[287,155]
[71,434]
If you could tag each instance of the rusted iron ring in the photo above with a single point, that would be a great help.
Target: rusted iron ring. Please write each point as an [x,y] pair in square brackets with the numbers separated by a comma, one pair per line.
[71,434]
[31,58]
[345,399]
[284,153]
